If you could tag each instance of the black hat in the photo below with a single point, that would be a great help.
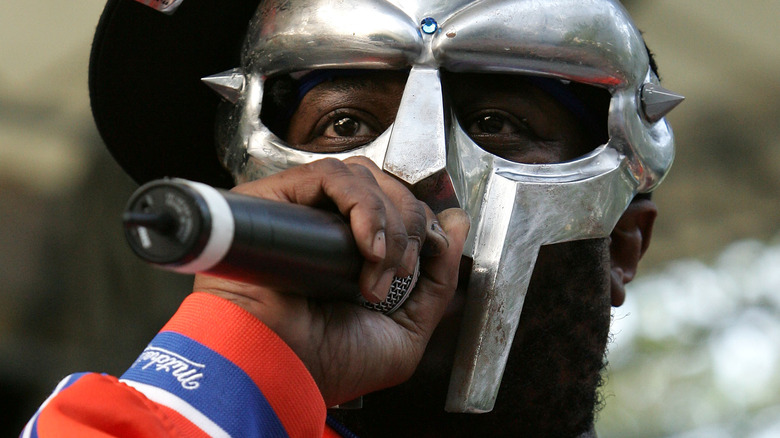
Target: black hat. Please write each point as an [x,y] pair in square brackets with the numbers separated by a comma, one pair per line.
[155,115]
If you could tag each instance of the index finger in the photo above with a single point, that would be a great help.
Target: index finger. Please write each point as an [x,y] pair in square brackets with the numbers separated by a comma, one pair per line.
[376,225]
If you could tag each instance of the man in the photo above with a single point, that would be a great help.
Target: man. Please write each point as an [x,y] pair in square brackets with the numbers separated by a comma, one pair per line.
[540,120]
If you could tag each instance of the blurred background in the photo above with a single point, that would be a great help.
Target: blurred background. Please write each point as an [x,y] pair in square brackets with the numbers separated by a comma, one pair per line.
[696,347]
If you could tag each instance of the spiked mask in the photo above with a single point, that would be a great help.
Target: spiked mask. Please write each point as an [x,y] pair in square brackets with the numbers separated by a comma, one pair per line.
[515,208]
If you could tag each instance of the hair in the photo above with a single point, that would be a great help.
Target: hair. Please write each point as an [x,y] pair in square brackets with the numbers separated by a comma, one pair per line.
[279,103]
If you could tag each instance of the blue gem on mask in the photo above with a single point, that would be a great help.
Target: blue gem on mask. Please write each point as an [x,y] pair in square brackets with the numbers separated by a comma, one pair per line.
[429,25]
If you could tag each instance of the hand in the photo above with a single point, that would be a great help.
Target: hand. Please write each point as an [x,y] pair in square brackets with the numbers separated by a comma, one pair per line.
[349,350]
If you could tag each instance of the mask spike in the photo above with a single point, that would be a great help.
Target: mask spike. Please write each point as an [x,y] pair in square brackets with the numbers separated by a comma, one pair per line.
[228,84]
[657,101]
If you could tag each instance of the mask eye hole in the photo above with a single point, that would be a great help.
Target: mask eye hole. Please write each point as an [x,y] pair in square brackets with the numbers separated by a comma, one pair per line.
[332,111]
[527,119]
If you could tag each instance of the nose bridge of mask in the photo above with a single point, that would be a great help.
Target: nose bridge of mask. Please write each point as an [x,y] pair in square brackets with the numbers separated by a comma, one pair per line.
[416,148]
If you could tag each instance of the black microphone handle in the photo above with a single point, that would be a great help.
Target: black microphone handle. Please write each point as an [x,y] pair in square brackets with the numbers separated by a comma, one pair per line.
[189,227]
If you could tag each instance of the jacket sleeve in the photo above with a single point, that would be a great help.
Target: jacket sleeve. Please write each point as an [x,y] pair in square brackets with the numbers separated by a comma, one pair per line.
[213,370]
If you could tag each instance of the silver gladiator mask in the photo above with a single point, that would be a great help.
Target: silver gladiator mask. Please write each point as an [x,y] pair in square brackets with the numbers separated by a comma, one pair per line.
[515,208]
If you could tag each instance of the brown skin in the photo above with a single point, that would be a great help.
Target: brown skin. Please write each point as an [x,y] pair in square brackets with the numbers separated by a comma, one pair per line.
[551,381]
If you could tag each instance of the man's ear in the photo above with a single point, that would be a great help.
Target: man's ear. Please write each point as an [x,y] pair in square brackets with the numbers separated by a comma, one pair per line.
[630,240]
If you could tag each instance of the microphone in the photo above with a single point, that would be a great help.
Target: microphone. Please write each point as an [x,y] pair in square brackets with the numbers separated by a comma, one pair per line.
[190,227]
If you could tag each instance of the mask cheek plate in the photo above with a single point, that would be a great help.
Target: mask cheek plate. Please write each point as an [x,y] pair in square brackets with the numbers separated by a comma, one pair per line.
[515,209]
[268,154]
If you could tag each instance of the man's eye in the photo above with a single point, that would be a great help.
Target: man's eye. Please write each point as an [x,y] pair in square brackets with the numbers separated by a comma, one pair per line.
[337,131]
[496,123]
[345,126]
[508,136]
[491,124]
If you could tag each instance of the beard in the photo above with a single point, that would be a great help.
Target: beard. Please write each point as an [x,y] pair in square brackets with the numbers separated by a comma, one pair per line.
[550,384]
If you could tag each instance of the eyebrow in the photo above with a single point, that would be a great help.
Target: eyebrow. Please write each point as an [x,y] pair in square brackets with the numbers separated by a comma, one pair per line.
[346,86]
[329,77]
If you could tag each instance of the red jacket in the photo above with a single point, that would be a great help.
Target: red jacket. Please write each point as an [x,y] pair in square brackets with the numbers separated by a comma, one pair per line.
[213,370]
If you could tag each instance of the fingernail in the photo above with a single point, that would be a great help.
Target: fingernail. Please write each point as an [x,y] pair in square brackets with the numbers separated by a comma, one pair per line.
[436,228]
[436,240]
[411,255]
[379,247]
[382,286]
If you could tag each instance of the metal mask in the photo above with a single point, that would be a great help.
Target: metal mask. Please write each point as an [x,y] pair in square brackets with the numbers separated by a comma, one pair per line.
[515,208]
